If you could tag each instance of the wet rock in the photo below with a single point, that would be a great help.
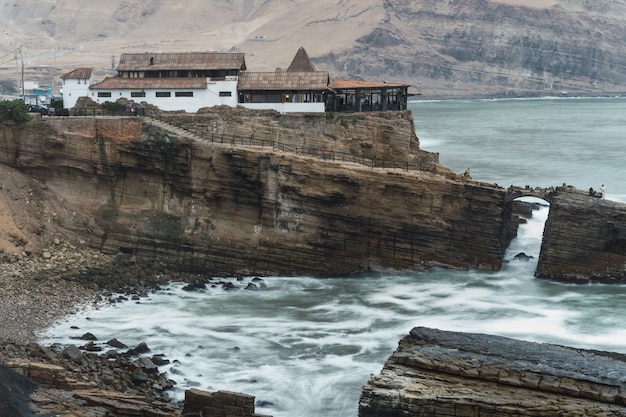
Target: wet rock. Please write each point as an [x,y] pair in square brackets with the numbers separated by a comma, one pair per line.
[433,372]
[142,348]
[91,347]
[117,344]
[523,257]
[160,360]
[195,286]
[228,286]
[72,353]
[88,336]
[147,365]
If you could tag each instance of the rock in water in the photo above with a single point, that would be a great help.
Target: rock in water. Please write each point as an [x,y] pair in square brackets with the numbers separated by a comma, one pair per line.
[440,373]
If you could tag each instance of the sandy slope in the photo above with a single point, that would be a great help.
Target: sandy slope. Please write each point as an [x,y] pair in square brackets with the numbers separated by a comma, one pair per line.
[539,4]
[57,36]
[92,33]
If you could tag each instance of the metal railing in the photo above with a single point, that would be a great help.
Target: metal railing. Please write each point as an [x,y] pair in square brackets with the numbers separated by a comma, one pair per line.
[313,151]
[234,140]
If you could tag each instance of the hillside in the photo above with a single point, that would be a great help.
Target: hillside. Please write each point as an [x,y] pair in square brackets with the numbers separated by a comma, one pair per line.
[449,48]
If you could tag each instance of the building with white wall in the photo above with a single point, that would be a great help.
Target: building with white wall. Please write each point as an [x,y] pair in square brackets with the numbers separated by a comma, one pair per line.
[76,84]
[190,81]
[172,81]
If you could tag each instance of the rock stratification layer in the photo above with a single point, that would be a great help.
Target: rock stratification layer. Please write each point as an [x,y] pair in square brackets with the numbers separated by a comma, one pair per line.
[230,191]
[584,240]
[262,193]
[438,373]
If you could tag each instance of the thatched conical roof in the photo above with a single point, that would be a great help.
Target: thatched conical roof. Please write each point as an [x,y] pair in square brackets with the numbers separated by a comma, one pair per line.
[301,62]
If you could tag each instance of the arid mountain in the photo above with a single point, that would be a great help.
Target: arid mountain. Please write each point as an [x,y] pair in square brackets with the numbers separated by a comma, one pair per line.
[443,48]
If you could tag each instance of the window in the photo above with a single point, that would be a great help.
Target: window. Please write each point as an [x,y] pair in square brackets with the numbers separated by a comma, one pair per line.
[137,93]
[225,94]
[102,94]
[163,94]
[184,94]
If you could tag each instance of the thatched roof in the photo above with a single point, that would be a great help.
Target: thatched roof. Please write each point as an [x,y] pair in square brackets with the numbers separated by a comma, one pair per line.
[78,74]
[301,62]
[118,83]
[283,81]
[181,61]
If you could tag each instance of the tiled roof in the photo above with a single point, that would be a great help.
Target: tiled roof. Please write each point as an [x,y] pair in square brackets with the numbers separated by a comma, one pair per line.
[181,61]
[78,74]
[118,83]
[343,84]
[283,80]
[301,62]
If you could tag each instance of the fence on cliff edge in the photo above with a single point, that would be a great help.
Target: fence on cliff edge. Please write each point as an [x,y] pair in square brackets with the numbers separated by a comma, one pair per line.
[324,153]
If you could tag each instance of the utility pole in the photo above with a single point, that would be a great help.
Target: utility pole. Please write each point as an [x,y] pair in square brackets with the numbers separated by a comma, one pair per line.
[18,48]
[22,78]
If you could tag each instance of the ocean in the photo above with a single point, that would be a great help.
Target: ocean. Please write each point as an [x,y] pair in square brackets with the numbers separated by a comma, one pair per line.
[305,346]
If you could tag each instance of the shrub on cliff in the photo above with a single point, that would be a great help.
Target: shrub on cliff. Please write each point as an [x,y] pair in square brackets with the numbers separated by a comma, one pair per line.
[13,110]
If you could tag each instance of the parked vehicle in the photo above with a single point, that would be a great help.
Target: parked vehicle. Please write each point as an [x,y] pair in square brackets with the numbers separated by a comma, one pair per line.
[38,108]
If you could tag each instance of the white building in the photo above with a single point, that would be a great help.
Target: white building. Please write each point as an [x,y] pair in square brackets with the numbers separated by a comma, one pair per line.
[172,81]
[76,84]
[192,80]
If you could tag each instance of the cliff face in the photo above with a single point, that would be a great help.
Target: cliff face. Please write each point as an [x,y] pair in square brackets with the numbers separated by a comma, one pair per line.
[438,373]
[261,193]
[252,209]
[584,240]
[481,47]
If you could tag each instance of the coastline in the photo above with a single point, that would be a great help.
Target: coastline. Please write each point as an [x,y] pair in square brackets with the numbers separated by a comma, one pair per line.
[39,290]
[513,96]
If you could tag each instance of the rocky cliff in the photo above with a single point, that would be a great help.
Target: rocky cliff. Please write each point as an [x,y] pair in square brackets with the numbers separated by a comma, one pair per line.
[228,208]
[501,48]
[438,373]
[241,192]
[584,240]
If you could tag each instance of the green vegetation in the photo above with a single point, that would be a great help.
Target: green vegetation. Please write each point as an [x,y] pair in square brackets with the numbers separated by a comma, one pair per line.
[14,110]
[113,107]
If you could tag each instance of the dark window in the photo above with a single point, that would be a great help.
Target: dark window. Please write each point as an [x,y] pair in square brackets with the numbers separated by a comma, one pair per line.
[101,94]
[137,94]
[225,94]
[163,94]
[184,94]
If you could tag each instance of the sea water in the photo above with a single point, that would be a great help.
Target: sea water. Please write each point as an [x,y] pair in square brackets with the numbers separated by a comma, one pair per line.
[305,346]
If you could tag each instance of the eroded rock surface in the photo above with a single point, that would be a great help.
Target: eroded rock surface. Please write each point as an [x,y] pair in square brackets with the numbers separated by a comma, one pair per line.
[440,373]
[584,240]
[213,202]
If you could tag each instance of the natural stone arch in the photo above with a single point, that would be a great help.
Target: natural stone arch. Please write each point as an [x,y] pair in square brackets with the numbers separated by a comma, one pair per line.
[514,192]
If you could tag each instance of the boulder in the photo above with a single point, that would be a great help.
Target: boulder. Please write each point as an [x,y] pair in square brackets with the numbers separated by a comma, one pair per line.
[72,352]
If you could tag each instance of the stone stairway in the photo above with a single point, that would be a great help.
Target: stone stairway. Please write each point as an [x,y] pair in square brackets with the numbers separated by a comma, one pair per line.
[175,131]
